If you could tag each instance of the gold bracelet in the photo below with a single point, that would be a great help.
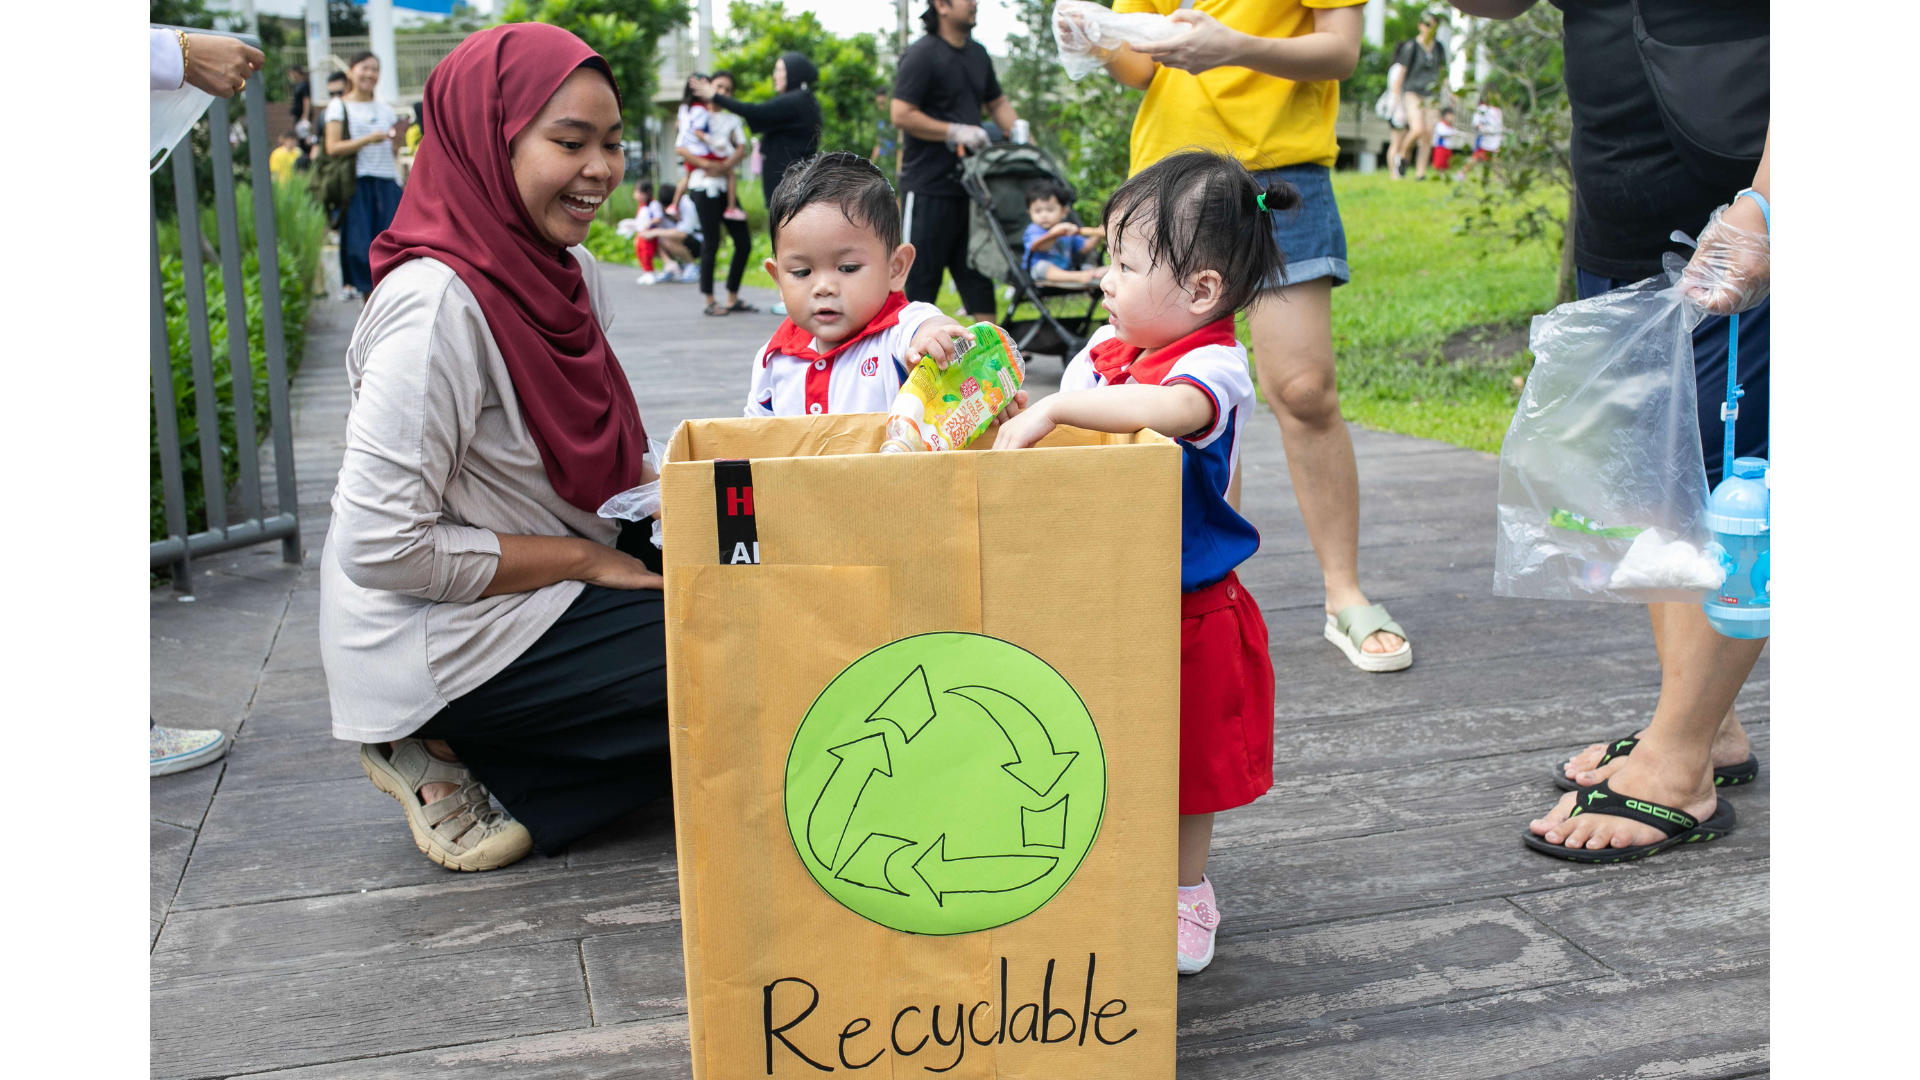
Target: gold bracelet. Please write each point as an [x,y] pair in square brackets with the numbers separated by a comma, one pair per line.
[182,34]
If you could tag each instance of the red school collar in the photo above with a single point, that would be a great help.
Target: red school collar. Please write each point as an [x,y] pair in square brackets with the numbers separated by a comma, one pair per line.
[792,341]
[1116,361]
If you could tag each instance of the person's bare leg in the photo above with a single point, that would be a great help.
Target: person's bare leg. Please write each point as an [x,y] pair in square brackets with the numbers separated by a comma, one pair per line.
[1730,743]
[1419,134]
[1700,674]
[1196,837]
[1293,351]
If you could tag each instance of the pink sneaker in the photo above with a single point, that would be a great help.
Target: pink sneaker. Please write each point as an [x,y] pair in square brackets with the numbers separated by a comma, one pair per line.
[735,214]
[1199,918]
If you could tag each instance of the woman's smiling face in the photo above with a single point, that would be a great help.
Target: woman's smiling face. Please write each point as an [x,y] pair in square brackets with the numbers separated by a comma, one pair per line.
[366,76]
[568,158]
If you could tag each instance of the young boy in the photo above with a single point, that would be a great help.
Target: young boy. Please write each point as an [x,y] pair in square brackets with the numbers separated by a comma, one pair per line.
[1054,244]
[1446,139]
[284,158]
[850,336]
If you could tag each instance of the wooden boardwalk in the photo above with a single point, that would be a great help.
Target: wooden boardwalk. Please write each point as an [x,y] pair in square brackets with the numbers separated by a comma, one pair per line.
[1381,916]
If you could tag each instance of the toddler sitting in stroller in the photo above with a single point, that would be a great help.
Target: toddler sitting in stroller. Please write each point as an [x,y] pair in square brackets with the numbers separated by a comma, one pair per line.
[1054,245]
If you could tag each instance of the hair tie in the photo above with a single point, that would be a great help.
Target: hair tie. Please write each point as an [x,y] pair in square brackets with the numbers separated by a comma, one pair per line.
[1260,201]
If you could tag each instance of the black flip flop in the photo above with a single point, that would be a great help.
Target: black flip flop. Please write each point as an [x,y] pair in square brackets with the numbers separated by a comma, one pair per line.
[715,308]
[1731,776]
[741,305]
[1680,827]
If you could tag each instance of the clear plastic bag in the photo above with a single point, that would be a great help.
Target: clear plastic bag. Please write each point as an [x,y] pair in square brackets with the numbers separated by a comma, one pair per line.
[643,502]
[1603,493]
[1088,34]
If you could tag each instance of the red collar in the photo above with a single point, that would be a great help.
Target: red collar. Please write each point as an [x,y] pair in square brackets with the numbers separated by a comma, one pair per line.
[1114,359]
[792,341]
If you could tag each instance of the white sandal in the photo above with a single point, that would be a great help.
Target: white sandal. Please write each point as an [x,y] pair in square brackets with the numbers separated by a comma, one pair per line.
[462,831]
[1354,625]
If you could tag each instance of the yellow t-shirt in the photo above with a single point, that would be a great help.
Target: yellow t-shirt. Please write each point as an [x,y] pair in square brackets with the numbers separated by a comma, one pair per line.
[1262,121]
[280,163]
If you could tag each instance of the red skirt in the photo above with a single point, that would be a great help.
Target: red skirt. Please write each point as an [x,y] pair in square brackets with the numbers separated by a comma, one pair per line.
[1226,699]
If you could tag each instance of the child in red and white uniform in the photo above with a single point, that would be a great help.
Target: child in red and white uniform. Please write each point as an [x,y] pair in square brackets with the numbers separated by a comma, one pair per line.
[850,336]
[1191,243]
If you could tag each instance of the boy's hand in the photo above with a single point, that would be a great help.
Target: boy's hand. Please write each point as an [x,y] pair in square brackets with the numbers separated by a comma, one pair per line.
[935,339]
[1026,428]
[1065,228]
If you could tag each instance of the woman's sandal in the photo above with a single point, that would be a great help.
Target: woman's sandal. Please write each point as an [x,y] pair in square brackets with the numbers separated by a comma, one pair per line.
[1354,625]
[461,831]
[1681,828]
[1730,776]
[716,308]
[741,305]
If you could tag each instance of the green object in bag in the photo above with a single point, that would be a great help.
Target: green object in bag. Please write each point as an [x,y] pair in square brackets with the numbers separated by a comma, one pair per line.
[1572,522]
[332,179]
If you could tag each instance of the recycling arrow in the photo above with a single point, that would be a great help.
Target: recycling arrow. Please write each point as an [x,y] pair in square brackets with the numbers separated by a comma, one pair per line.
[909,707]
[977,873]
[827,821]
[867,866]
[1035,763]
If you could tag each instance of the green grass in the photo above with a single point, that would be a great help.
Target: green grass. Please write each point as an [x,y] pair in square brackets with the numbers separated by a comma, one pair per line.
[1415,283]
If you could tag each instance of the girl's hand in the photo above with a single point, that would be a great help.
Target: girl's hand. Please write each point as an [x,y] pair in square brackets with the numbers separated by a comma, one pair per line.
[1207,44]
[1025,428]
[935,339]
[615,569]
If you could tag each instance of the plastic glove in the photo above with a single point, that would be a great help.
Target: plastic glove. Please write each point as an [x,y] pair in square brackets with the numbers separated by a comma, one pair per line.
[1730,269]
[962,137]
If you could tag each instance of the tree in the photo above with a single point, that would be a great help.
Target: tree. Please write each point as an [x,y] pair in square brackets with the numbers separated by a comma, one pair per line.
[625,32]
[195,13]
[851,83]
[1369,78]
[346,19]
[1087,126]
[1520,193]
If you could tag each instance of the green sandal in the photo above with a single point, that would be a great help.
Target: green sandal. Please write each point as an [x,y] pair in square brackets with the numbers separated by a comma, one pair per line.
[1353,625]
[1729,776]
[1681,828]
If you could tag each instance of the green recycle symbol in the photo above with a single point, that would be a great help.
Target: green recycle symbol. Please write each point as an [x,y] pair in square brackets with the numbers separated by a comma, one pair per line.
[945,783]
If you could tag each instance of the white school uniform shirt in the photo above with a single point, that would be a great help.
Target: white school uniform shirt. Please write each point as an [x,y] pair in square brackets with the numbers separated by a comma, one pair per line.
[861,376]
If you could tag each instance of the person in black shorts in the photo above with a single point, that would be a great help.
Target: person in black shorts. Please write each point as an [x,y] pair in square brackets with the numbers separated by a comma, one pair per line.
[944,85]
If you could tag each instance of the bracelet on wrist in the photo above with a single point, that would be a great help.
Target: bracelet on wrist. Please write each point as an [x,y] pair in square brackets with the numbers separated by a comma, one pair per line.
[184,48]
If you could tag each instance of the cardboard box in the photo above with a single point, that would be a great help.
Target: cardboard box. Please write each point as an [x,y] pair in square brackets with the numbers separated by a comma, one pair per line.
[925,735]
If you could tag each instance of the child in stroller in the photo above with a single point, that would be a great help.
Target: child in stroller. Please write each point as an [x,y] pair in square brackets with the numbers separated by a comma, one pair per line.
[1055,247]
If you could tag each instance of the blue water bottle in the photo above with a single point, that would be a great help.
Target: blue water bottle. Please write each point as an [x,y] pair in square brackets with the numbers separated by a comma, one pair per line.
[1740,516]
[1737,512]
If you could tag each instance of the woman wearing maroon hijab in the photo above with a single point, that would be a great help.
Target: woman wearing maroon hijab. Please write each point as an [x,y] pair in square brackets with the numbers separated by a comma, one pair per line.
[483,629]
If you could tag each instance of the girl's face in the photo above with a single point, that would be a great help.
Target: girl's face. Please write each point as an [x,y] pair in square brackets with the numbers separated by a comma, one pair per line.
[724,84]
[568,158]
[779,76]
[366,75]
[1147,306]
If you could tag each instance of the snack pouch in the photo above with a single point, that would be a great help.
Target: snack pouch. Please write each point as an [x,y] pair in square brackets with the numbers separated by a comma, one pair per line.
[947,410]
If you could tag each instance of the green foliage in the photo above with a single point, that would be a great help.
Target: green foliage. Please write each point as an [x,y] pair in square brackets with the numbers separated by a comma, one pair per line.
[300,228]
[197,13]
[1419,291]
[626,32]
[462,20]
[1525,193]
[346,19]
[851,82]
[1087,126]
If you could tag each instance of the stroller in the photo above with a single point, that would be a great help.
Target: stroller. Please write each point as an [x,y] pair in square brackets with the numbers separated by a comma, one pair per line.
[996,179]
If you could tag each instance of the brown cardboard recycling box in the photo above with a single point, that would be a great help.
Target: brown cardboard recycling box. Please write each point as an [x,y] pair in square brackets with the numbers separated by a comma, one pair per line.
[925,724]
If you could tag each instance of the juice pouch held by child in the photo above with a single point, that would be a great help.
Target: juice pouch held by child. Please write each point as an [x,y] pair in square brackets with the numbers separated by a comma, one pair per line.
[947,410]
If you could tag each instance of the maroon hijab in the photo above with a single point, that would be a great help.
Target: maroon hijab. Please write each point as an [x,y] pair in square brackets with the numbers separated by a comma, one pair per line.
[462,207]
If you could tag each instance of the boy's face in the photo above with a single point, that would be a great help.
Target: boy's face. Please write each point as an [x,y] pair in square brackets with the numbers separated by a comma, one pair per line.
[834,274]
[1146,305]
[1046,212]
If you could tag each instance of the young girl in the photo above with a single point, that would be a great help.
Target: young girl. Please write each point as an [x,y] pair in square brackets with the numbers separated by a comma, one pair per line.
[1191,245]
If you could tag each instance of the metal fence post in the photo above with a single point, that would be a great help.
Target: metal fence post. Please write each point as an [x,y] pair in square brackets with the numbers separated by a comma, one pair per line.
[234,287]
[199,339]
[166,426]
[267,238]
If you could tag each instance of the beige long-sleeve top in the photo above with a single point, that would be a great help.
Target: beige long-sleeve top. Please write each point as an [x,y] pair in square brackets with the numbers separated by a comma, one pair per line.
[438,463]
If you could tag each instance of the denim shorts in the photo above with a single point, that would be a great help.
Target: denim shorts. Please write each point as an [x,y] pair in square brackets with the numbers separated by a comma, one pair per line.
[1310,236]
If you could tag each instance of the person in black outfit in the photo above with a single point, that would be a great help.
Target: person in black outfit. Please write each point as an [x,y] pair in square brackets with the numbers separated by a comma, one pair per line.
[1671,132]
[788,123]
[302,106]
[944,84]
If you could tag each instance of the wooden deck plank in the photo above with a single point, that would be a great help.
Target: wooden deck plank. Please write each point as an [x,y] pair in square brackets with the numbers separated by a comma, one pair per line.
[646,1050]
[1707,919]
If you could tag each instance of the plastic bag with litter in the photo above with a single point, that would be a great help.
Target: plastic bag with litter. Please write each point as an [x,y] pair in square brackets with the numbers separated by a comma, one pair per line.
[1088,34]
[1603,492]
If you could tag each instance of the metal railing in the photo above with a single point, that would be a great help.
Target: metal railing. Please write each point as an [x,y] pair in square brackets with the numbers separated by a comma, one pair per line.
[253,524]
[414,56]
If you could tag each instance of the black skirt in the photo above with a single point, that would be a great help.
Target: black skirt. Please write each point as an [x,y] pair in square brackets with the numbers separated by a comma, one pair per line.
[573,733]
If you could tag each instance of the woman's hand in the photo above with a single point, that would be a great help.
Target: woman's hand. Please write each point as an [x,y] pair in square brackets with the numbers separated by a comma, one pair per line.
[702,87]
[615,569]
[1208,43]
[221,65]
[1730,270]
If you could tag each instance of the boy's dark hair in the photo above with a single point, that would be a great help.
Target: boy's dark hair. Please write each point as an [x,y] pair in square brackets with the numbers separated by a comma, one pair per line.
[1048,188]
[338,76]
[1202,211]
[664,195]
[848,181]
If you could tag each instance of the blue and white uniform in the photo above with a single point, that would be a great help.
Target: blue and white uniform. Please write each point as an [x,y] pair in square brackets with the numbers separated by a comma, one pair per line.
[1214,537]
